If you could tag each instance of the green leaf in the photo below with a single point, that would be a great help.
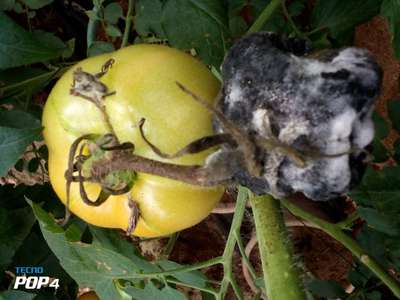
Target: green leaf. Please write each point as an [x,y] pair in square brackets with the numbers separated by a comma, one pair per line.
[375,295]
[97,48]
[36,4]
[15,225]
[93,15]
[379,189]
[341,16]
[18,8]
[381,126]
[110,239]
[237,26]
[151,292]
[373,243]
[380,152]
[17,130]
[391,11]
[394,114]
[148,18]
[16,295]
[92,265]
[201,25]
[378,221]
[49,40]
[194,278]
[19,47]
[24,80]
[397,151]
[7,4]
[378,197]
[112,12]
[326,288]
[113,31]
[296,8]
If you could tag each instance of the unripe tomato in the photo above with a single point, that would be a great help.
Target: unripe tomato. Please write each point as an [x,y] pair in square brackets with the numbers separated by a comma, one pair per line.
[144,80]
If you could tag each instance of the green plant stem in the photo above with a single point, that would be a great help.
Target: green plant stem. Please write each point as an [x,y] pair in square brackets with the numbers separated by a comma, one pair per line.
[281,275]
[336,232]
[290,20]
[346,224]
[170,245]
[200,265]
[92,27]
[230,245]
[264,16]
[128,23]
[245,258]
[177,282]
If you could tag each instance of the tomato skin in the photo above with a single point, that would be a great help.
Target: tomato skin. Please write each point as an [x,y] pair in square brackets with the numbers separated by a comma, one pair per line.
[144,80]
[88,296]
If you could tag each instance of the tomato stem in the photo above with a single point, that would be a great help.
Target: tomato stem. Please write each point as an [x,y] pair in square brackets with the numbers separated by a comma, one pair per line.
[264,16]
[230,245]
[338,234]
[281,273]
[128,24]
[92,27]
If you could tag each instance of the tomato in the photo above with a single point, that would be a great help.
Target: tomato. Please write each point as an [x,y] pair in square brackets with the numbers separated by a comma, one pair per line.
[143,78]
[88,296]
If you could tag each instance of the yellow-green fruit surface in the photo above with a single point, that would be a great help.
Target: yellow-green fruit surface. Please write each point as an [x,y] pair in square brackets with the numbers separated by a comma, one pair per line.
[144,80]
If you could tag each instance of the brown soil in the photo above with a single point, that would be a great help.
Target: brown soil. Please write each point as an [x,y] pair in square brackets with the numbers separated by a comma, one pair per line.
[375,37]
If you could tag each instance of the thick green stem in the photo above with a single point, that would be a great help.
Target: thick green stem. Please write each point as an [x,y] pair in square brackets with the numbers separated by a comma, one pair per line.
[336,232]
[128,23]
[264,16]
[281,276]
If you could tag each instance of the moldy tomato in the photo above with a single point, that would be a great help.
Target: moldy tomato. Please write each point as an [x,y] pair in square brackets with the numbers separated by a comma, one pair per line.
[144,80]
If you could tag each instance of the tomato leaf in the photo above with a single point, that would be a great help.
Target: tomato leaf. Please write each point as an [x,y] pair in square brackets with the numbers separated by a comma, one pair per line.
[112,12]
[326,288]
[97,48]
[341,16]
[391,11]
[15,225]
[7,4]
[17,130]
[36,4]
[94,265]
[148,18]
[201,25]
[378,221]
[24,80]
[19,47]
[16,295]
[380,151]
[378,196]
[380,190]
[112,240]
[151,292]
[113,31]
[397,151]
[194,278]
[394,114]
[373,243]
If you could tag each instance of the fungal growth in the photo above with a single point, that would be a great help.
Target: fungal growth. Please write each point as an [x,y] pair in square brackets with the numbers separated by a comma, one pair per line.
[285,124]
[318,107]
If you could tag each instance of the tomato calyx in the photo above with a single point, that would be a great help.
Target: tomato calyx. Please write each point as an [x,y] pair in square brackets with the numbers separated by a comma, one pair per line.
[104,160]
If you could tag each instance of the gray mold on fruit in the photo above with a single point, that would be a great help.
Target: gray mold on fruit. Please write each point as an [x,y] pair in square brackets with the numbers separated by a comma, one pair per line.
[319,106]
